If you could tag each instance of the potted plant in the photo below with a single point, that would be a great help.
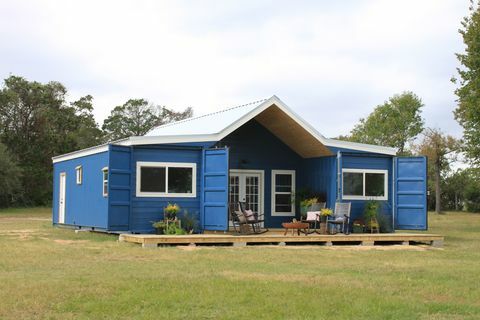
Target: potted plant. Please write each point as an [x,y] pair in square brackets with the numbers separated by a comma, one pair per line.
[189,222]
[306,205]
[159,227]
[370,213]
[358,226]
[173,228]
[324,214]
[170,212]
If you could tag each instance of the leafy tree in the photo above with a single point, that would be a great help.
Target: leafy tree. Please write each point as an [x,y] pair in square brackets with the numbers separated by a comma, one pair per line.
[439,149]
[137,117]
[10,175]
[36,123]
[467,112]
[394,123]
[88,133]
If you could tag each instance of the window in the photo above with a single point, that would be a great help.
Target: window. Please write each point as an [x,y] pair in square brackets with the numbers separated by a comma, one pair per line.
[79,172]
[105,181]
[166,179]
[362,184]
[283,190]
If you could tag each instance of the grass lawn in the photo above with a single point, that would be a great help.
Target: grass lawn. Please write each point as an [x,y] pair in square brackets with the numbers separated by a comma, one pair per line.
[53,273]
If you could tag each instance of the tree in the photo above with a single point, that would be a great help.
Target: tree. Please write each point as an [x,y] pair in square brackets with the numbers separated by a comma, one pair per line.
[467,112]
[88,133]
[137,117]
[439,149]
[10,175]
[36,123]
[394,123]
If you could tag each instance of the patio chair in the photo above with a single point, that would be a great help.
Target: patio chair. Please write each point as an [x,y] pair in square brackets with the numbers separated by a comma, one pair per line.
[245,221]
[254,219]
[341,217]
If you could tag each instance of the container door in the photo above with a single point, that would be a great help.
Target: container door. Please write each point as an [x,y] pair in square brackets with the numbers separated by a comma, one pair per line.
[410,193]
[61,198]
[214,186]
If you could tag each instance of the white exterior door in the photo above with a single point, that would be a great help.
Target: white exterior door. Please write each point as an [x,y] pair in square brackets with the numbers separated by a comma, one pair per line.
[247,186]
[61,198]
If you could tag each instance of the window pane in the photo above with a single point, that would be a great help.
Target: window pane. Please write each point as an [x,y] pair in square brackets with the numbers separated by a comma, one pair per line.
[353,184]
[283,183]
[152,179]
[283,203]
[179,180]
[374,184]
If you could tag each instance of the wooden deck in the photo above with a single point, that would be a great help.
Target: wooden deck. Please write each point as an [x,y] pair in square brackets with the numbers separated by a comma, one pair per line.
[277,238]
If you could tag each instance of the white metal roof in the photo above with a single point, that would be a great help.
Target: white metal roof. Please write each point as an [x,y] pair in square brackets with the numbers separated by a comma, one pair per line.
[206,124]
[216,126]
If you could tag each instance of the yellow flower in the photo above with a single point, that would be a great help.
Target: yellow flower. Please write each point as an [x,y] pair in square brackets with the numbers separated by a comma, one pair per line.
[326,212]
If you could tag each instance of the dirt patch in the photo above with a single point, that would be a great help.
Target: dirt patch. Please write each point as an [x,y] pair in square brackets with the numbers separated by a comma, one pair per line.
[24,218]
[69,242]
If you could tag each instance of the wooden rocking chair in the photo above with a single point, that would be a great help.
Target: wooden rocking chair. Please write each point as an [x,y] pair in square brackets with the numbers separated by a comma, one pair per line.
[245,221]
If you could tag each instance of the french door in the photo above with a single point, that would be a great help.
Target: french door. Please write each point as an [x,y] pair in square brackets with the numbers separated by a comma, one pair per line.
[246,186]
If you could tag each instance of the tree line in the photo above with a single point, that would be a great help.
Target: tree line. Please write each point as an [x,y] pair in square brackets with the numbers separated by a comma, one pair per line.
[37,123]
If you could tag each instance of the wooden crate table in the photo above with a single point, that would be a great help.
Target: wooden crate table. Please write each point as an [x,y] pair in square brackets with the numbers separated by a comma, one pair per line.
[305,226]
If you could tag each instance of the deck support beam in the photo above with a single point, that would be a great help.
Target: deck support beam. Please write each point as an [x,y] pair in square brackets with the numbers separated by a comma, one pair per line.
[239,244]
[368,243]
[437,243]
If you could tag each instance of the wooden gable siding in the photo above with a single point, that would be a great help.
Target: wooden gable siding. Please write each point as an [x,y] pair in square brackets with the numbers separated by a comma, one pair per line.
[291,133]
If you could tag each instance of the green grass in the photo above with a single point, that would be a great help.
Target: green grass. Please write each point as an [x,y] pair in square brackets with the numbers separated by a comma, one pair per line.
[53,273]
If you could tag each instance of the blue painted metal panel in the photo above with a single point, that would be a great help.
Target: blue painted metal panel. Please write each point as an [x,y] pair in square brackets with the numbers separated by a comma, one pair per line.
[85,205]
[411,193]
[214,199]
[253,147]
[370,161]
[119,188]
[144,210]
[319,175]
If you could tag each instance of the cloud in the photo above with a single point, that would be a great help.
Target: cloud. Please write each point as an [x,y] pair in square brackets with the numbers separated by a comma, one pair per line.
[330,61]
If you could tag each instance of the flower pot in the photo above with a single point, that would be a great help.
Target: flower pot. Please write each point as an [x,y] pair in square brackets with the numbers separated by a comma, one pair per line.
[357,229]
[160,230]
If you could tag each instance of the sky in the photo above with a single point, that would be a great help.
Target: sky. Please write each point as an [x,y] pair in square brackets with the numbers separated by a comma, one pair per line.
[332,62]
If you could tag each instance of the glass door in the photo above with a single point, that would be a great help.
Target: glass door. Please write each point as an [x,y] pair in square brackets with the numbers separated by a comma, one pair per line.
[246,186]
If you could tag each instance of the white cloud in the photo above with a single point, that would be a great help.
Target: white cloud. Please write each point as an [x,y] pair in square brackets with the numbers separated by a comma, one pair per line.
[326,60]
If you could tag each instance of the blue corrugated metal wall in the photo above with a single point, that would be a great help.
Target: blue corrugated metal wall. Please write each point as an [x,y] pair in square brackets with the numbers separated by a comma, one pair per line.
[411,193]
[120,188]
[84,204]
[144,210]
[319,175]
[370,161]
[214,193]
[254,147]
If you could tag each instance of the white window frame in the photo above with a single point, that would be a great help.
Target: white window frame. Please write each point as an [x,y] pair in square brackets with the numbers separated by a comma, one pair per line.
[166,165]
[364,197]
[104,182]
[274,192]
[79,174]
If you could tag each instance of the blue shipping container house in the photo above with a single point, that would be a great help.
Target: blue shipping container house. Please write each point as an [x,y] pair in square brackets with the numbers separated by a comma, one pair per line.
[262,153]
